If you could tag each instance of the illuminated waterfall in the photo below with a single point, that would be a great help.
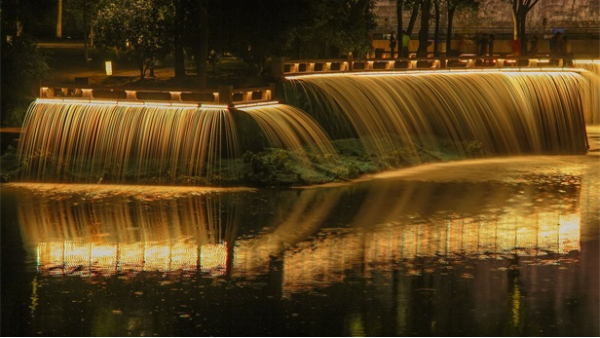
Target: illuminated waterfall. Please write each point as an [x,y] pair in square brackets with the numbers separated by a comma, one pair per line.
[88,141]
[290,128]
[593,76]
[508,112]
[397,117]
[110,142]
[71,236]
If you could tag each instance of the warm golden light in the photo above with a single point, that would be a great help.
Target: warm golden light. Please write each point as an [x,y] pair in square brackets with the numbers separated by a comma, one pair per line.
[256,104]
[123,103]
[401,72]
[108,68]
[214,106]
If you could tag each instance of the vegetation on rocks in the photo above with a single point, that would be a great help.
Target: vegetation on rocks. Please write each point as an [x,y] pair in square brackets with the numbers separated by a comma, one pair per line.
[269,167]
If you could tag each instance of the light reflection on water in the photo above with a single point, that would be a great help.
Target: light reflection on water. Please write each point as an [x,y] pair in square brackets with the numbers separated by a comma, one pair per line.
[504,245]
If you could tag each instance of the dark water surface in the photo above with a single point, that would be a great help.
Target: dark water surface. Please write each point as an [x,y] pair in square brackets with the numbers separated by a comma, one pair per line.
[483,248]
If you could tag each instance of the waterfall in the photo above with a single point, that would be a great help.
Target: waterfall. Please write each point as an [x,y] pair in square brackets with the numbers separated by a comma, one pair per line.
[89,141]
[395,116]
[592,67]
[508,112]
[109,142]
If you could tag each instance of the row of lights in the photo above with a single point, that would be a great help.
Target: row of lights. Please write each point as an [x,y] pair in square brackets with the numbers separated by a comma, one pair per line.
[157,104]
[437,71]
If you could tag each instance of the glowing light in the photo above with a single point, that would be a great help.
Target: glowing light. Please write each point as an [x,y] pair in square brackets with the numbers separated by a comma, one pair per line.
[538,70]
[213,258]
[186,105]
[124,103]
[49,100]
[256,104]
[108,68]
[214,106]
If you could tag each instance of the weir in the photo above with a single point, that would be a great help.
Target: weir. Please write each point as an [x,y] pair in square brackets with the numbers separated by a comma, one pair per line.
[508,112]
[84,134]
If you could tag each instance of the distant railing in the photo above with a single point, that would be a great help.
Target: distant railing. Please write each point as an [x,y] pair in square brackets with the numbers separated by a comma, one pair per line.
[224,96]
[300,67]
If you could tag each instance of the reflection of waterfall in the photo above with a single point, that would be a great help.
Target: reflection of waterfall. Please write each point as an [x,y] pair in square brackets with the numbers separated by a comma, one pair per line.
[401,223]
[108,236]
[376,226]
[508,112]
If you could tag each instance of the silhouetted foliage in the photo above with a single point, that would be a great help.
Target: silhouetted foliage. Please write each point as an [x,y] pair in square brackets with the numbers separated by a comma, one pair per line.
[141,27]
[22,64]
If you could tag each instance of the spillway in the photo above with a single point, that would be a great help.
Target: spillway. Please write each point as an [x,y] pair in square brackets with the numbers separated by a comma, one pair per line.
[507,112]
[393,115]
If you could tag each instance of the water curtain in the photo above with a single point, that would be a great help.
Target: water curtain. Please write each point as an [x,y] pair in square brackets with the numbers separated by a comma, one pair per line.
[109,142]
[508,112]
[592,73]
[394,116]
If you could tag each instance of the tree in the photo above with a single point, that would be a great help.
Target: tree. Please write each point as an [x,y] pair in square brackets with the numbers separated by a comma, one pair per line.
[452,6]
[329,28]
[86,10]
[141,27]
[424,30]
[436,36]
[520,9]
[178,33]
[22,64]
[402,5]
[59,19]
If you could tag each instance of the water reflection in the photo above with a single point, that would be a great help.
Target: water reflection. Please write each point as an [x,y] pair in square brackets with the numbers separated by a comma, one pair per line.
[394,256]
[70,235]
[382,224]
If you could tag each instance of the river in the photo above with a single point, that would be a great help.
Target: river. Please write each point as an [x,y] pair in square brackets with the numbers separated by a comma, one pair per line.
[494,247]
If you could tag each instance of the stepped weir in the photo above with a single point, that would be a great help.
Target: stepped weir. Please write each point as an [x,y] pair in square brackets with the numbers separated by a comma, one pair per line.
[93,134]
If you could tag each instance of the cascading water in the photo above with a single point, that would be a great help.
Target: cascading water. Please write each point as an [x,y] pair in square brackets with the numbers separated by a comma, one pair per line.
[508,112]
[592,73]
[290,128]
[502,112]
[83,141]
[153,144]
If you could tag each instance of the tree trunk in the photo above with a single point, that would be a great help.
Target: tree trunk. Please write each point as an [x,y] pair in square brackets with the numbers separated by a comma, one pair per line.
[413,18]
[141,66]
[436,35]
[399,6]
[515,21]
[451,10]
[59,19]
[522,34]
[85,36]
[424,31]
[202,48]
[178,41]
[92,35]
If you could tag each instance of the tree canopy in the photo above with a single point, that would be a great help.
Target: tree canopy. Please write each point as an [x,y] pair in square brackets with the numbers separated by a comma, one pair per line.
[142,27]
